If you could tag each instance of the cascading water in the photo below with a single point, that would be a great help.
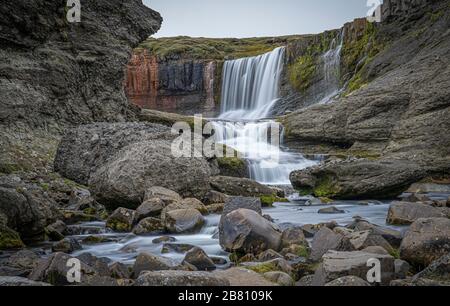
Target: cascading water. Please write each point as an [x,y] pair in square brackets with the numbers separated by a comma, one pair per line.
[331,69]
[250,89]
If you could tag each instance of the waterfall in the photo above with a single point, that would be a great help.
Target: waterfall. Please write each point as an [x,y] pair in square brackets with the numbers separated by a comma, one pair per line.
[331,69]
[250,90]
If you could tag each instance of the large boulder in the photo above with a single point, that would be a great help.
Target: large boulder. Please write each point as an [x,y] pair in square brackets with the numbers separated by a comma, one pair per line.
[425,241]
[405,213]
[233,203]
[240,187]
[323,241]
[150,208]
[184,220]
[66,245]
[167,196]
[150,262]
[339,264]
[436,274]
[392,236]
[121,220]
[199,259]
[245,231]
[293,236]
[149,226]
[360,240]
[181,278]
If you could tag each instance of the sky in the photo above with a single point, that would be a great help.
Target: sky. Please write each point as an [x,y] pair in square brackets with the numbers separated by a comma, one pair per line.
[253,18]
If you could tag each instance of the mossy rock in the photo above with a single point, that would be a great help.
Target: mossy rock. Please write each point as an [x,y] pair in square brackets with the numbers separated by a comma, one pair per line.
[118,226]
[268,201]
[326,187]
[233,166]
[9,239]
[263,267]
[302,72]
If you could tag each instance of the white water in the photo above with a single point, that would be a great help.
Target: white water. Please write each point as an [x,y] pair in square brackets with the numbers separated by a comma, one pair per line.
[331,69]
[250,90]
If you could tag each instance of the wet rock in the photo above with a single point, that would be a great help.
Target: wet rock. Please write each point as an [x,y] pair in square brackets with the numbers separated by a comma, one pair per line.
[331,210]
[82,200]
[164,239]
[293,235]
[100,265]
[246,231]
[9,239]
[339,264]
[67,245]
[402,269]
[214,197]
[54,270]
[15,281]
[121,220]
[240,277]
[167,196]
[20,263]
[348,281]
[176,247]
[323,241]
[417,197]
[392,236]
[436,274]
[405,213]
[150,262]
[219,261]
[426,241]
[233,186]
[234,203]
[96,240]
[181,278]
[184,221]
[149,226]
[215,208]
[280,278]
[150,208]
[71,217]
[120,271]
[55,230]
[198,258]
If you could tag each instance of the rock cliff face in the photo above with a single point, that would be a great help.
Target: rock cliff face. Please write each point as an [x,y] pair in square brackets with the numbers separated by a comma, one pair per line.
[56,74]
[397,120]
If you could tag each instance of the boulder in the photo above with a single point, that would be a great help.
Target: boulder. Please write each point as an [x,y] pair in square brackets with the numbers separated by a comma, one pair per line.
[246,231]
[164,239]
[375,250]
[16,281]
[323,241]
[233,186]
[293,235]
[199,259]
[20,263]
[167,196]
[124,179]
[121,220]
[150,208]
[311,229]
[67,245]
[405,213]
[240,277]
[194,204]
[55,230]
[402,269]
[184,221]
[392,236]
[428,188]
[360,240]
[331,210]
[181,278]
[269,255]
[436,274]
[277,264]
[54,270]
[99,264]
[214,197]
[348,281]
[339,264]
[280,278]
[305,281]
[215,209]
[119,270]
[233,203]
[149,226]
[9,239]
[180,248]
[150,262]
[426,241]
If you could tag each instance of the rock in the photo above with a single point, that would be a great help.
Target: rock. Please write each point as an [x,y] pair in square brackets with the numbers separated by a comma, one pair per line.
[100,265]
[164,239]
[428,188]
[240,277]
[278,264]
[181,278]
[9,239]
[375,250]
[54,270]
[214,197]
[246,231]
[101,281]
[292,236]
[96,239]
[127,175]
[331,210]
[280,278]
[21,263]
[402,269]
[184,221]
[198,258]
[426,241]
[150,262]
[392,236]
[121,220]
[309,230]
[405,213]
[67,245]
[215,208]
[72,217]
[176,247]
[233,186]
[149,226]
[15,281]
[81,199]
[269,255]
[234,203]
[323,241]
[436,274]
[417,197]
[305,281]
[343,231]
[150,208]
[120,271]
[165,195]
[194,204]
[348,281]
[358,241]
[55,230]
[339,264]
[296,251]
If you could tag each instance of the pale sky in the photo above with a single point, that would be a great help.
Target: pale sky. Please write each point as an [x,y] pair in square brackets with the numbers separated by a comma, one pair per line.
[251,18]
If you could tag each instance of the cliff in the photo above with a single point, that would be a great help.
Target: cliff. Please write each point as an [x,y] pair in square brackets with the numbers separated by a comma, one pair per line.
[56,74]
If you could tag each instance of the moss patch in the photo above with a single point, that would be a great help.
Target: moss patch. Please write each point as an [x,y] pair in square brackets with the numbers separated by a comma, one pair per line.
[326,187]
[268,200]
[231,163]
[302,72]
[9,239]
[263,268]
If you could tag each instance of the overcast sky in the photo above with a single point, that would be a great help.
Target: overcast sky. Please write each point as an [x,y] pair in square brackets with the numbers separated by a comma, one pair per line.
[250,18]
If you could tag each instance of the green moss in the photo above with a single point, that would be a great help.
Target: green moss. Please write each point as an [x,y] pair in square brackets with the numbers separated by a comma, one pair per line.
[233,163]
[9,239]
[9,168]
[90,211]
[435,16]
[268,200]
[118,226]
[301,251]
[305,191]
[263,268]
[325,187]
[302,72]
[395,253]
